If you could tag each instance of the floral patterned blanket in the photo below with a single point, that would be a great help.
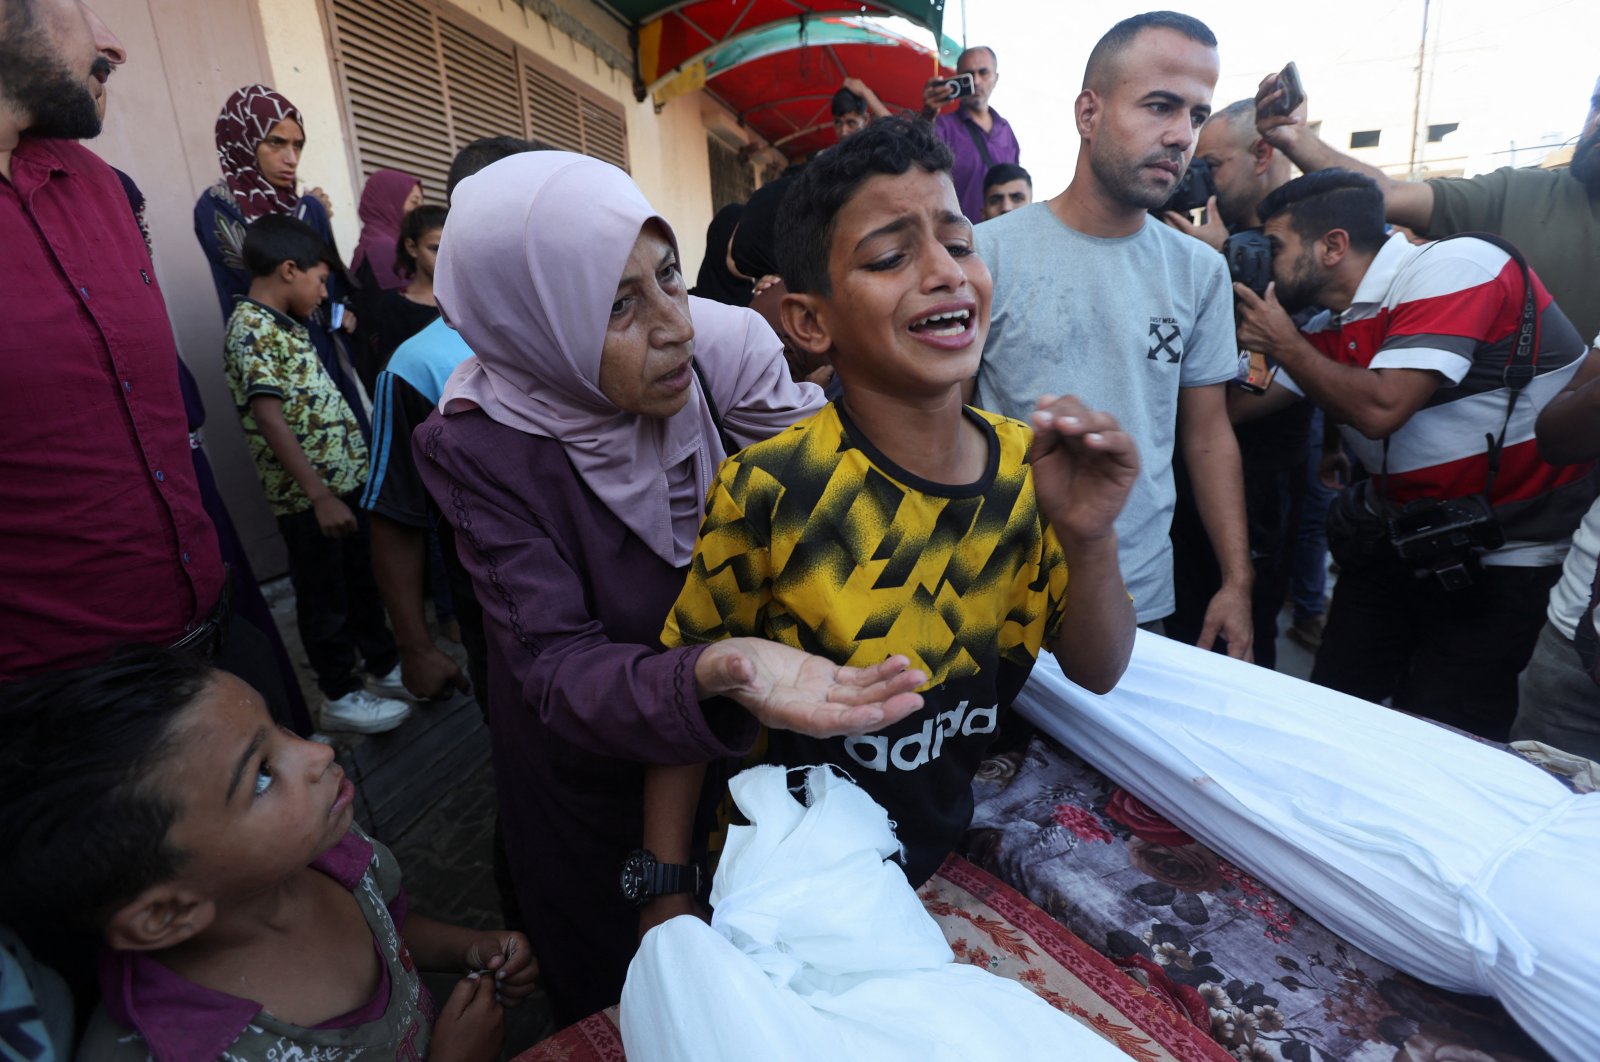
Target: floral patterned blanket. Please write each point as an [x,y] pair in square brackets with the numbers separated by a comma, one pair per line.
[1273,985]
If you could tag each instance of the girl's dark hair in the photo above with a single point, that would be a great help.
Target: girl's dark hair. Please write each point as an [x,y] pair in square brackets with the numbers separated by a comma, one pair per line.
[810,207]
[417,222]
[83,827]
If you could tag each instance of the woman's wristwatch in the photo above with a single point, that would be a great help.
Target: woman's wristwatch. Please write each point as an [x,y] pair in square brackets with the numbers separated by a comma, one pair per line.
[643,879]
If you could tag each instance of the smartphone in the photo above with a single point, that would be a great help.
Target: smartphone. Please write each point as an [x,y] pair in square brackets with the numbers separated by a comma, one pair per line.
[337,316]
[1255,372]
[962,85]
[1294,90]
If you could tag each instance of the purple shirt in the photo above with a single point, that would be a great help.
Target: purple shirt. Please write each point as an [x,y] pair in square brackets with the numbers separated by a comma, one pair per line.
[956,130]
[103,536]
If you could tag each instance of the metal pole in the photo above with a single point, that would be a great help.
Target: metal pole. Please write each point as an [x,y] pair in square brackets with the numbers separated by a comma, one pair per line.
[1416,105]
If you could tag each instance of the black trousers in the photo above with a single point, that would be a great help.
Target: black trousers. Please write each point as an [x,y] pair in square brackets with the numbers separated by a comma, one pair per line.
[337,606]
[1449,655]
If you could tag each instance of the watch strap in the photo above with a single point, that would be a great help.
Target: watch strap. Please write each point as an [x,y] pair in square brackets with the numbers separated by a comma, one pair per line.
[669,878]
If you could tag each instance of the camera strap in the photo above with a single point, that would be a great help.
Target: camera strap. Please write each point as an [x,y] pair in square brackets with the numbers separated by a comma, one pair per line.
[1520,363]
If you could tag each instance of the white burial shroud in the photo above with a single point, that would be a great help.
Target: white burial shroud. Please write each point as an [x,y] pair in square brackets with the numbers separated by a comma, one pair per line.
[1449,859]
[820,949]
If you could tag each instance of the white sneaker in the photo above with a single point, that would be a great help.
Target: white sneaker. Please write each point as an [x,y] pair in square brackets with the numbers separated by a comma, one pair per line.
[389,686]
[360,712]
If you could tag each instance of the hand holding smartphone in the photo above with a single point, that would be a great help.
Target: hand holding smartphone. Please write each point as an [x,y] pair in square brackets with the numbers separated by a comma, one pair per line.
[1294,91]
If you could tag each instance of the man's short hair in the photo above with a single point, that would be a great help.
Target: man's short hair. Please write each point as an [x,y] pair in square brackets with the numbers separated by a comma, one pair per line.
[485,152]
[1005,173]
[1117,39]
[83,830]
[1330,199]
[810,209]
[274,239]
[994,60]
[1239,115]
[847,102]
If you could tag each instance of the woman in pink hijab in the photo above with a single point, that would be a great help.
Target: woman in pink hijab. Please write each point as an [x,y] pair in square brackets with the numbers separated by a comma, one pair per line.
[386,198]
[573,454]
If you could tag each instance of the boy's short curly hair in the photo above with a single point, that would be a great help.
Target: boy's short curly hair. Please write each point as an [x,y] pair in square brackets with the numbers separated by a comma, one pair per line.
[83,827]
[889,146]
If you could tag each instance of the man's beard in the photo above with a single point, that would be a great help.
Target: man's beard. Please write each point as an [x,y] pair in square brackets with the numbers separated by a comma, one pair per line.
[1586,161]
[1122,177]
[1303,286]
[40,86]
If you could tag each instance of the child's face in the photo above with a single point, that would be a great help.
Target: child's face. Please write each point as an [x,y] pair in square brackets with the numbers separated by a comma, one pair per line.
[255,803]
[910,303]
[307,288]
[425,252]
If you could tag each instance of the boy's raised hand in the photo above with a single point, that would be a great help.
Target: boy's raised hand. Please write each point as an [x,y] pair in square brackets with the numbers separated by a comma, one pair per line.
[471,1026]
[790,689]
[507,960]
[1084,465]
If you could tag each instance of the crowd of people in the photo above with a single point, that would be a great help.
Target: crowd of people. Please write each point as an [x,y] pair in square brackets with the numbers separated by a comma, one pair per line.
[907,429]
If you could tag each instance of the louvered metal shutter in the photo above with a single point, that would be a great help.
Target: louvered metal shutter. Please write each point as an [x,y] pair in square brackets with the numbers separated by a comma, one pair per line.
[421,81]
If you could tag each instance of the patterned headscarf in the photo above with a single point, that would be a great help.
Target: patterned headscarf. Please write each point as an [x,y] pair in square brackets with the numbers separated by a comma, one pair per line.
[246,119]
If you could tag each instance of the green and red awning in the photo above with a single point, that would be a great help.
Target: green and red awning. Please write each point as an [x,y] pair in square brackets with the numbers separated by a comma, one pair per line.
[777,63]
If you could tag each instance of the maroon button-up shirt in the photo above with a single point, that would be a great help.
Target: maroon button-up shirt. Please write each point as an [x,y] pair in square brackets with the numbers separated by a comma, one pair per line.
[103,538]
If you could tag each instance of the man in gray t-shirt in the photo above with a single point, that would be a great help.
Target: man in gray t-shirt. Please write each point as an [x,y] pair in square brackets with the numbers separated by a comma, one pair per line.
[1093,297]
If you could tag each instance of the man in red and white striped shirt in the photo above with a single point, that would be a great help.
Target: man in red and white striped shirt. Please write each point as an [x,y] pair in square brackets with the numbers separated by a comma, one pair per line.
[1411,360]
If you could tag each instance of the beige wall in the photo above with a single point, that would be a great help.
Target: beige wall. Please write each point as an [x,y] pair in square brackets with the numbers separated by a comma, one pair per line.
[299,58]
[183,60]
[666,152]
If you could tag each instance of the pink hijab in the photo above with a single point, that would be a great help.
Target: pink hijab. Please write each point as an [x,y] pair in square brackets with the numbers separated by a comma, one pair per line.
[383,208]
[528,268]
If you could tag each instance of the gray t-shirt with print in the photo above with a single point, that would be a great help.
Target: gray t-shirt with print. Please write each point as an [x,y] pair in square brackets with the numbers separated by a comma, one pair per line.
[1122,324]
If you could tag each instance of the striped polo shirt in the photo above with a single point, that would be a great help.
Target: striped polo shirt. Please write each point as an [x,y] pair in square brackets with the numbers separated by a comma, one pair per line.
[1454,307]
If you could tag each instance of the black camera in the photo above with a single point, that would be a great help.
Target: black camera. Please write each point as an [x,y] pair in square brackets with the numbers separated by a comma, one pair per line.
[1192,192]
[1440,539]
[1249,258]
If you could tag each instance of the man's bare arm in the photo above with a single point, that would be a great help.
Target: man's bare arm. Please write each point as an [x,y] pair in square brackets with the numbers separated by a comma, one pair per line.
[1375,402]
[1211,452]
[1408,203]
[1568,428]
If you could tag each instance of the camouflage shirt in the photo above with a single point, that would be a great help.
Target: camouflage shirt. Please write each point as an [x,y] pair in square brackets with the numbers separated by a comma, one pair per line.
[267,353]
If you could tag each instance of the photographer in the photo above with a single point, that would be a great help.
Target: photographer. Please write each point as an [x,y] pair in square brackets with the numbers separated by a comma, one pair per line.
[975,133]
[1436,360]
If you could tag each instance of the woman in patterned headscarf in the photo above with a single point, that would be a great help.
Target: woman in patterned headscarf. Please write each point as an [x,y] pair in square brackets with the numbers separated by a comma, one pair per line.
[259,139]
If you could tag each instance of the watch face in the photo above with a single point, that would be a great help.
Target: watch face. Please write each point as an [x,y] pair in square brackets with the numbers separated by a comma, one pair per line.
[635,879]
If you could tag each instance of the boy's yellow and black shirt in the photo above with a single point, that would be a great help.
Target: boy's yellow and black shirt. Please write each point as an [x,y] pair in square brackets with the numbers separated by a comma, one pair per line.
[816,540]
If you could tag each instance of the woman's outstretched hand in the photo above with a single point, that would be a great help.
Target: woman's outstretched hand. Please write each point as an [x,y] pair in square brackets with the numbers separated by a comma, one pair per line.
[788,689]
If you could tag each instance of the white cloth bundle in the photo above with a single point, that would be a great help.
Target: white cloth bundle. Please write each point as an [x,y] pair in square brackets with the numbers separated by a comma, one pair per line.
[1454,861]
[820,949]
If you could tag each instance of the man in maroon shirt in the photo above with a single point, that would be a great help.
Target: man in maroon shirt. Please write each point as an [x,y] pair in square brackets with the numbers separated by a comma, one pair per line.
[103,539]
